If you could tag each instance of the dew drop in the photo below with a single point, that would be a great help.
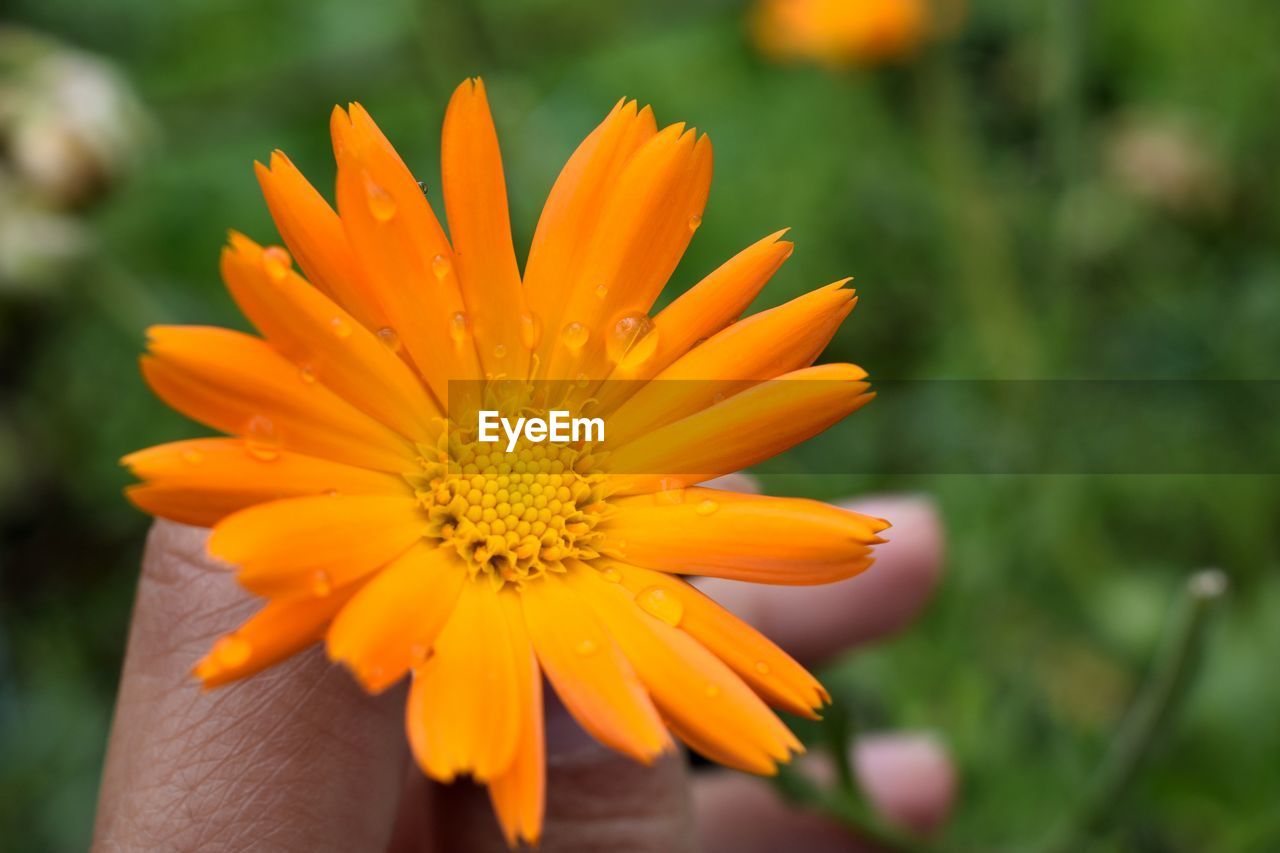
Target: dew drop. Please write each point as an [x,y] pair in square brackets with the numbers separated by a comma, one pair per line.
[262,440]
[459,328]
[381,205]
[707,507]
[601,291]
[389,338]
[340,327]
[192,457]
[321,584]
[762,667]
[712,690]
[530,330]
[669,496]
[633,340]
[276,262]
[307,374]
[611,575]
[575,335]
[500,351]
[582,380]
[232,651]
[440,267]
[586,647]
[695,222]
[659,603]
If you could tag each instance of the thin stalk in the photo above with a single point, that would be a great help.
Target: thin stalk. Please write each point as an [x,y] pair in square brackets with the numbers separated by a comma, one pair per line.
[1157,703]
[978,240]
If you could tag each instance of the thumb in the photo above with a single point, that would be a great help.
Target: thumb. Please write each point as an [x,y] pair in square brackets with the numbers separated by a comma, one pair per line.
[597,799]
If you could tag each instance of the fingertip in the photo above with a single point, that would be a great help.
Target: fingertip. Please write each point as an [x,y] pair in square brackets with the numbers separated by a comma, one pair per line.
[817,622]
[908,777]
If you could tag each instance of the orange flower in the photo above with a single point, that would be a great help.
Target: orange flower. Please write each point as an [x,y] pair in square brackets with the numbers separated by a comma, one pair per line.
[370,521]
[841,32]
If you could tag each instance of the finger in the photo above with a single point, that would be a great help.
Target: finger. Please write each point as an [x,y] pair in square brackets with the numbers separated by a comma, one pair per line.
[597,799]
[815,622]
[907,777]
[296,758]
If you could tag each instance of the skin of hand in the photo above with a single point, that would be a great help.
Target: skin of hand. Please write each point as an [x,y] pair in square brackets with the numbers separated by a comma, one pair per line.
[298,758]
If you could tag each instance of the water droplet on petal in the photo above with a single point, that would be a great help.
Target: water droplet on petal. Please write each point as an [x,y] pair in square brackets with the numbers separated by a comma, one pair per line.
[530,330]
[659,603]
[389,338]
[633,340]
[601,291]
[262,440]
[586,647]
[695,222]
[381,205]
[321,584]
[707,507]
[340,327]
[459,328]
[307,374]
[582,380]
[612,575]
[575,335]
[762,667]
[440,267]
[276,262]
[669,496]
[232,651]
[500,351]
[192,457]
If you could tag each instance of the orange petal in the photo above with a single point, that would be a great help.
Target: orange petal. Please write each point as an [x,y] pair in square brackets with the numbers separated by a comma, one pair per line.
[695,691]
[700,312]
[769,670]
[315,544]
[475,197]
[202,480]
[645,226]
[395,618]
[315,236]
[589,673]
[573,213]
[403,252]
[463,714]
[745,429]
[276,632]
[718,299]
[327,343]
[240,385]
[744,537]
[760,347]
[519,793]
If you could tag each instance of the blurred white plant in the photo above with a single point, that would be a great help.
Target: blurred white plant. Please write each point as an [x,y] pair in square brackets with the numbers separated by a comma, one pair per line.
[71,129]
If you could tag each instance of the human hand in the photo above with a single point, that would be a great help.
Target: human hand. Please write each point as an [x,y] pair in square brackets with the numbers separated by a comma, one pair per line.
[299,758]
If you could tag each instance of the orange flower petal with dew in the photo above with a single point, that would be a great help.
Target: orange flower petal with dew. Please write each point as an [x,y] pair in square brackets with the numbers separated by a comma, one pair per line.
[464,706]
[593,678]
[751,538]
[302,546]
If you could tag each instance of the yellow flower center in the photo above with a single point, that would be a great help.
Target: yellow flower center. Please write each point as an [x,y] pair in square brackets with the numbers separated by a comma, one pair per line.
[512,516]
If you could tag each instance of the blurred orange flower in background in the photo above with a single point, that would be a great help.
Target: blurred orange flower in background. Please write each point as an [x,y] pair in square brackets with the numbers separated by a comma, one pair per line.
[841,32]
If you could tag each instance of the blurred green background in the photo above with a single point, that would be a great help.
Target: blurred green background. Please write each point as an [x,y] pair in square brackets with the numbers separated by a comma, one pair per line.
[1056,189]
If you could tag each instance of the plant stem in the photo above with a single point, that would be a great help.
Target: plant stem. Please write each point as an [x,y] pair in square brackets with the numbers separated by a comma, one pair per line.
[1158,701]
